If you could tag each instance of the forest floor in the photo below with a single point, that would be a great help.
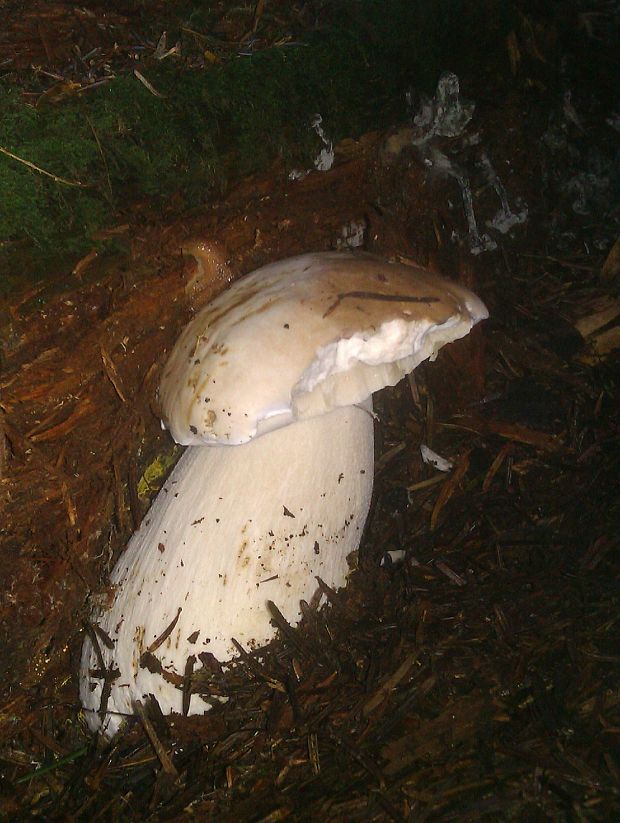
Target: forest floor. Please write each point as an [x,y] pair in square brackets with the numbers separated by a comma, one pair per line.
[469,671]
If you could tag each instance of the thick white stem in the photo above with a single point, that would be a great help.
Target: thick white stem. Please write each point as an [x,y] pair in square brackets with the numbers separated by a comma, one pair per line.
[233,527]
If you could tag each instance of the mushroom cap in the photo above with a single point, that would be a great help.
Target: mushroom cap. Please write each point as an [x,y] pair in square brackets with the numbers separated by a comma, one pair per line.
[297,338]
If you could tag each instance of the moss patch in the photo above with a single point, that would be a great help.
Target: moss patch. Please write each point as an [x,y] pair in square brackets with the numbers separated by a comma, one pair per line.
[156,472]
[124,144]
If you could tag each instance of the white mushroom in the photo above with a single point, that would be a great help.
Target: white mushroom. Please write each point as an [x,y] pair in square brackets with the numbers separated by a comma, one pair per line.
[274,377]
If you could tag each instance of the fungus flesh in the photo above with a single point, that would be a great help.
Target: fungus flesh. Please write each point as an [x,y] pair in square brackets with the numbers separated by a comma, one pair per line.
[270,387]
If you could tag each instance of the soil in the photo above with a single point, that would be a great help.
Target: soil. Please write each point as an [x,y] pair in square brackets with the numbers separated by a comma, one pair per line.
[469,671]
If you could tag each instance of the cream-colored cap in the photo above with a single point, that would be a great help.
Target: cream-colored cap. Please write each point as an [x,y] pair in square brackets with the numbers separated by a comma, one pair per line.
[299,337]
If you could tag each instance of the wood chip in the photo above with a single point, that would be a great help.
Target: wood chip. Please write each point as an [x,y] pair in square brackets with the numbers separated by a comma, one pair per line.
[112,374]
[165,634]
[509,431]
[389,685]
[163,756]
[449,487]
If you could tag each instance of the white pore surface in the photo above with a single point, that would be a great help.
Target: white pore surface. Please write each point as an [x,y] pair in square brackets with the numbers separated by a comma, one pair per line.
[232,528]
[302,336]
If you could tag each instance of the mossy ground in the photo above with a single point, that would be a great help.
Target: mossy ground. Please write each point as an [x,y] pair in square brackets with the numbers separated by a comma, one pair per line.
[214,123]
[119,143]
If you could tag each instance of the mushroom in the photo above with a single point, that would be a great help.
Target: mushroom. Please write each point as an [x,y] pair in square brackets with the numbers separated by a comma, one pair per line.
[270,388]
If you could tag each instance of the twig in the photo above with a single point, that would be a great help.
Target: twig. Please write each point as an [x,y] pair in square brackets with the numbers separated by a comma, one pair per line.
[258,670]
[448,489]
[40,434]
[313,752]
[119,495]
[164,758]
[283,625]
[105,162]
[187,683]
[384,690]
[567,263]
[166,633]
[82,264]
[425,484]
[107,675]
[55,177]
[450,573]
[388,456]
[496,465]
[111,373]
[4,450]
[146,84]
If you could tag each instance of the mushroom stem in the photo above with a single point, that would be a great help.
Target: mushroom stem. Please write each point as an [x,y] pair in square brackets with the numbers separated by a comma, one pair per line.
[233,527]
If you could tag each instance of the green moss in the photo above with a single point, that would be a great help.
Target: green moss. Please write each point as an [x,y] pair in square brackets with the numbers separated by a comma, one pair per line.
[123,144]
[156,472]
